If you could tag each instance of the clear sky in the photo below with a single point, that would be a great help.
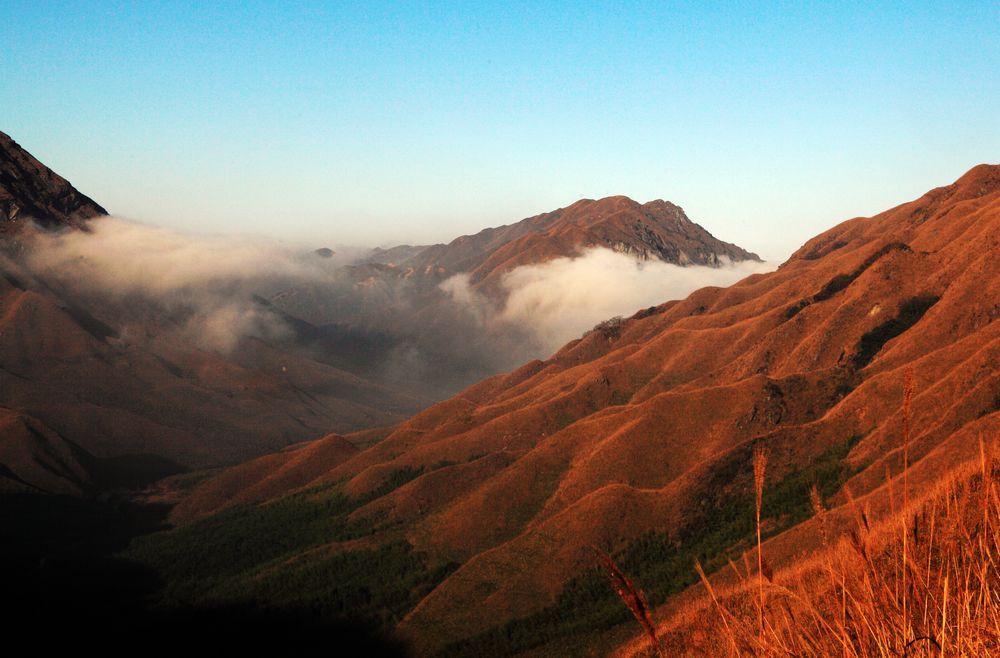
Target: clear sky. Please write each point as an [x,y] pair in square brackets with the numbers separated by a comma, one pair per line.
[379,123]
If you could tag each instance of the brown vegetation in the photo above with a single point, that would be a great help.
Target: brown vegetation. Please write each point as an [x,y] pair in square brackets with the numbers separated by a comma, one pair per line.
[924,581]
[653,432]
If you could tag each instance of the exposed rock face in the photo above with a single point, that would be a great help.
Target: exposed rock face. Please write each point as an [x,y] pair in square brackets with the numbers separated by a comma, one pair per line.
[31,191]
[658,230]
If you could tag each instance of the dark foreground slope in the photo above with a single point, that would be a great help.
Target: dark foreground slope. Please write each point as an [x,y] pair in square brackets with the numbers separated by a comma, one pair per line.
[637,438]
[65,588]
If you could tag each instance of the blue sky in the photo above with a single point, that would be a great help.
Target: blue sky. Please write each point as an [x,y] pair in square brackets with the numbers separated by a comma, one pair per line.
[379,123]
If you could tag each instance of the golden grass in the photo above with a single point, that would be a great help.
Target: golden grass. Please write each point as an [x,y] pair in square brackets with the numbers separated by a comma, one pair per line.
[923,582]
[876,593]
[759,468]
[633,597]
[933,591]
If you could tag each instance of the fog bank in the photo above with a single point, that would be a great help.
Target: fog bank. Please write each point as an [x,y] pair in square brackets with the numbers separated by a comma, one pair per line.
[561,299]
[206,283]
[386,323]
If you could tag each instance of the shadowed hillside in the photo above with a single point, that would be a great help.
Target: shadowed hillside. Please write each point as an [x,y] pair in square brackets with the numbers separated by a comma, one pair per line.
[30,191]
[106,390]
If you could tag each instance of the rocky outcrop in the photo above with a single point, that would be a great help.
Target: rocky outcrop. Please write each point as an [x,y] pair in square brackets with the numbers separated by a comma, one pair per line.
[30,191]
[657,230]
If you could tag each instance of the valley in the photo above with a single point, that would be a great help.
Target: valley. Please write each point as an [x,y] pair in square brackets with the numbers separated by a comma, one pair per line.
[378,447]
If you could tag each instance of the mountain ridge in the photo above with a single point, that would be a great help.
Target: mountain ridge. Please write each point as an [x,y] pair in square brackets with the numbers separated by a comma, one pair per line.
[30,191]
[631,428]
[657,230]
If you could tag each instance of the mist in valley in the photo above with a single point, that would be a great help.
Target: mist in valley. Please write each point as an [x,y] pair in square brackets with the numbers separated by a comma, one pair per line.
[559,300]
[428,333]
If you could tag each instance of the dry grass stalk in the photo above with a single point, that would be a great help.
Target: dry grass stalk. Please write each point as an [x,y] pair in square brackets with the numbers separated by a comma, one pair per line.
[759,468]
[815,501]
[718,606]
[632,596]
[907,408]
[952,595]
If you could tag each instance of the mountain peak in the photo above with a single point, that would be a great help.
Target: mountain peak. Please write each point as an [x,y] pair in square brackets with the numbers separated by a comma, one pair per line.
[31,191]
[617,200]
[597,209]
[981,180]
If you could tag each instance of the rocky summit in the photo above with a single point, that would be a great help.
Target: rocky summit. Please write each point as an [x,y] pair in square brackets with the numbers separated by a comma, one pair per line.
[657,230]
[30,191]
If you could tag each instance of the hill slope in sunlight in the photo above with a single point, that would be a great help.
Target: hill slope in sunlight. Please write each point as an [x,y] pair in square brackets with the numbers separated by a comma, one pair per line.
[637,438]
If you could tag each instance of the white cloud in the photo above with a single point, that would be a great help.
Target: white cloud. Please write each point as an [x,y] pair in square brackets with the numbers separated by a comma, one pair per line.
[206,281]
[561,299]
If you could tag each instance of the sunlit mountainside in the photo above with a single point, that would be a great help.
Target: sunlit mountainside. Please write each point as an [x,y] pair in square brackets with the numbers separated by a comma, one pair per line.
[272,440]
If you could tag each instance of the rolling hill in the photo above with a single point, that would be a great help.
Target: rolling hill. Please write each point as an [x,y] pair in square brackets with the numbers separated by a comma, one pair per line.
[637,438]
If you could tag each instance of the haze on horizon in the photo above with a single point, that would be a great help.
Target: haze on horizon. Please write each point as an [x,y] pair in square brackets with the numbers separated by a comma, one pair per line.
[382,123]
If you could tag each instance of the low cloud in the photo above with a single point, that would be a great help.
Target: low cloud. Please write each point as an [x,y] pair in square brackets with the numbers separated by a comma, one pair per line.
[205,284]
[375,320]
[561,299]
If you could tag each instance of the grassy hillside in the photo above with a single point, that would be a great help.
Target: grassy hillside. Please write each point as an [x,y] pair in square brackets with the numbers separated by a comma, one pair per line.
[663,564]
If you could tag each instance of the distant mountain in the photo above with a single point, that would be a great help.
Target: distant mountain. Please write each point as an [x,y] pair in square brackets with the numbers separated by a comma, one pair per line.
[638,437]
[31,191]
[396,293]
[658,230]
[100,392]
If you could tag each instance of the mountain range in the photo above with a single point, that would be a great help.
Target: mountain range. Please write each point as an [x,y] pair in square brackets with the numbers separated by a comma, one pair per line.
[637,438]
[113,378]
[473,525]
